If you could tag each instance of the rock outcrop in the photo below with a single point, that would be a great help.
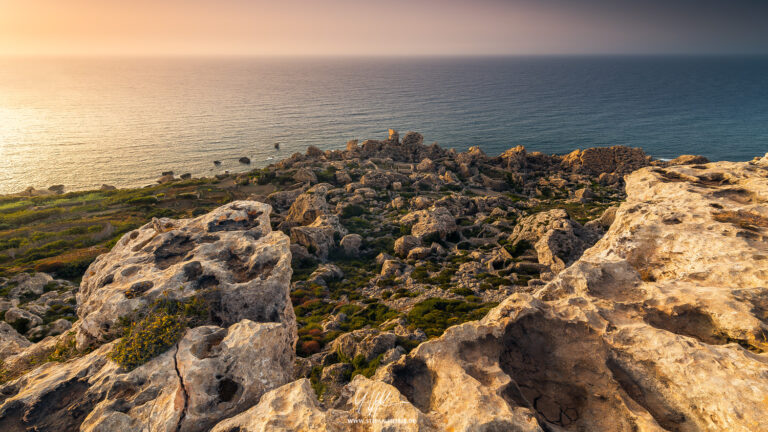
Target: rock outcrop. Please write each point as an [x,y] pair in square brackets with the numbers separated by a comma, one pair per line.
[557,239]
[649,317]
[229,259]
[660,326]
[231,256]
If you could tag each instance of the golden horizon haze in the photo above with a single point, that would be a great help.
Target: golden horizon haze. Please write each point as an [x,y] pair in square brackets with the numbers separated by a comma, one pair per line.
[354,27]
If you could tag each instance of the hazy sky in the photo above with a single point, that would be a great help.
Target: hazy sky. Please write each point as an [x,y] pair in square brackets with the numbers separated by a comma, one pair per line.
[391,27]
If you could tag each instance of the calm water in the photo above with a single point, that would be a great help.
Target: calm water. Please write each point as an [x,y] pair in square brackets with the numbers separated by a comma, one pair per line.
[123,121]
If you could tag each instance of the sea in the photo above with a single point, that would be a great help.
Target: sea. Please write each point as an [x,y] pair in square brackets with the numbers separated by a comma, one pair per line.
[83,122]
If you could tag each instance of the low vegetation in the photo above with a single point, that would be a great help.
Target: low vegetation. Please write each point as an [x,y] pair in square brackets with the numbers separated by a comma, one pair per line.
[154,331]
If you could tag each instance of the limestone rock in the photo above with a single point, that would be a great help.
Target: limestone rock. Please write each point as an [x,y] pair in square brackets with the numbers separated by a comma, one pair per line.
[351,244]
[292,407]
[283,200]
[212,374]
[689,160]
[426,165]
[305,175]
[557,239]
[232,249]
[376,180]
[309,205]
[22,318]
[404,244]
[11,342]
[616,159]
[435,222]
[325,273]
[25,285]
[319,237]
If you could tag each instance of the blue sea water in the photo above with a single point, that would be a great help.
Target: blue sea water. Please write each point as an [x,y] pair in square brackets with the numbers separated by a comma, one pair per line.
[84,122]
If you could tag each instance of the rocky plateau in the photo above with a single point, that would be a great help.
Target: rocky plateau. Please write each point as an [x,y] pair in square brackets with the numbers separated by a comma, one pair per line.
[400,286]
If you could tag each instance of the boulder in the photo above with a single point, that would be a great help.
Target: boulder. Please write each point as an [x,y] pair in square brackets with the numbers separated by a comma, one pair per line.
[166,179]
[244,160]
[325,273]
[342,177]
[26,286]
[404,244]
[689,160]
[351,244]
[57,189]
[426,165]
[314,152]
[22,319]
[230,256]
[11,342]
[283,200]
[557,239]
[376,180]
[617,159]
[309,205]
[305,175]
[472,156]
[319,237]
[436,222]
[419,253]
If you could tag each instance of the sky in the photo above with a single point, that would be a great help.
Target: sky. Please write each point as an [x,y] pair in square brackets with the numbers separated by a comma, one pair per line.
[381,28]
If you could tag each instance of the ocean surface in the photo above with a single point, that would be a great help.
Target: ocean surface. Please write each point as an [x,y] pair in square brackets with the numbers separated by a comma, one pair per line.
[84,122]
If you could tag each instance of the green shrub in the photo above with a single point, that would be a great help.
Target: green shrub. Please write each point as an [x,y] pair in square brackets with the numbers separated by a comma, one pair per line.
[353,210]
[142,200]
[327,175]
[156,330]
[436,314]
[363,367]
[314,379]
[463,291]
[518,248]
[64,349]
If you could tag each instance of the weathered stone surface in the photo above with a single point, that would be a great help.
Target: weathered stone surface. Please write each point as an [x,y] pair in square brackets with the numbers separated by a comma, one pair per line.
[640,333]
[212,374]
[232,249]
[292,407]
[351,244]
[426,165]
[283,200]
[376,180]
[616,159]
[319,237]
[22,318]
[636,335]
[11,342]
[26,285]
[435,222]
[689,160]
[309,205]
[404,244]
[305,175]
[557,239]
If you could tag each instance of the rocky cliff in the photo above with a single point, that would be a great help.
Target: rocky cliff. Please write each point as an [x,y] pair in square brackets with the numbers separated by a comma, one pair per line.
[187,325]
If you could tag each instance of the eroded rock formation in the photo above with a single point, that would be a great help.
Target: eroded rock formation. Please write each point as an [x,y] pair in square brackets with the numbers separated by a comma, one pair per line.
[230,256]
[232,262]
